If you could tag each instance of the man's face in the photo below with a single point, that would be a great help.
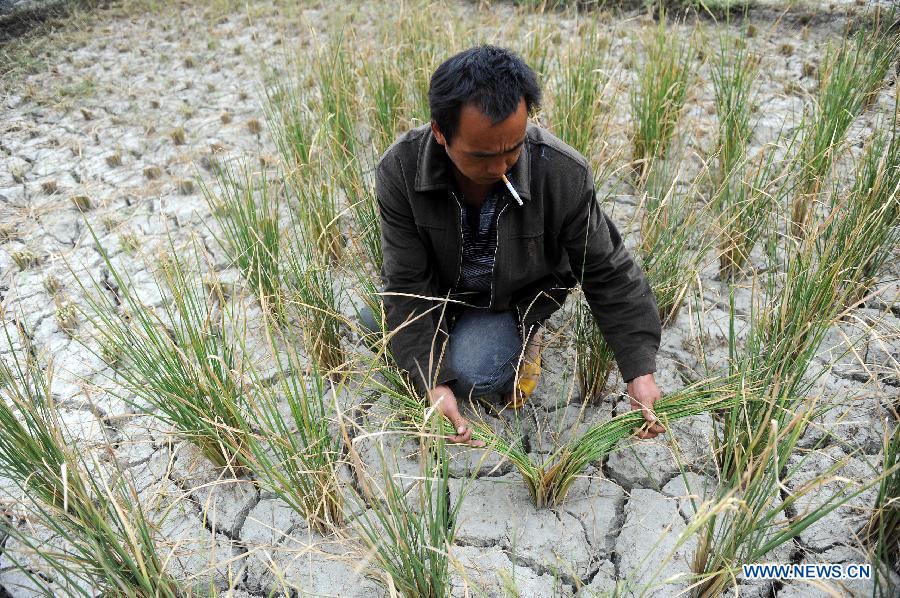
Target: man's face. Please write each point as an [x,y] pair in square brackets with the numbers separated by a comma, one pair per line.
[481,151]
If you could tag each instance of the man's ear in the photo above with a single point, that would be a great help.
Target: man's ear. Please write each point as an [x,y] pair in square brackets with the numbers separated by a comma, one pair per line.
[439,137]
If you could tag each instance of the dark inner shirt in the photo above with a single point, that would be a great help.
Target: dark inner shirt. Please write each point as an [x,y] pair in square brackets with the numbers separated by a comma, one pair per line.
[479,233]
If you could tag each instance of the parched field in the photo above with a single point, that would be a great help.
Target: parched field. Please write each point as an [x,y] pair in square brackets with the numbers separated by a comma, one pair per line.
[188,230]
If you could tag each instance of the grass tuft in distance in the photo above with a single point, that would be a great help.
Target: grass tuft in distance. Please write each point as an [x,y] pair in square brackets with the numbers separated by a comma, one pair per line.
[578,99]
[658,97]
[848,79]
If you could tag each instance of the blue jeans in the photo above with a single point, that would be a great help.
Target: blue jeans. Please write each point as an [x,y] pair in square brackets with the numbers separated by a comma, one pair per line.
[483,350]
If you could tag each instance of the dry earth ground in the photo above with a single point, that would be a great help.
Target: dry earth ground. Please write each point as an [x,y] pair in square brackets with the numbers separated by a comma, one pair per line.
[127,111]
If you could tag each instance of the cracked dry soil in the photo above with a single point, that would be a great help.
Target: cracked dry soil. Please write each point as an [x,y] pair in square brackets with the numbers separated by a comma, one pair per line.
[113,131]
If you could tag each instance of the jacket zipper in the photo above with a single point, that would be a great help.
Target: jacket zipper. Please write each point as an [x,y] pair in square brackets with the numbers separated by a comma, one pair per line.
[459,228]
[496,247]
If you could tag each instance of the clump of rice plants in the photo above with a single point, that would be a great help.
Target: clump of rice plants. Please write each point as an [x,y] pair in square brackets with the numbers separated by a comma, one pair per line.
[594,359]
[313,301]
[657,99]
[360,192]
[883,530]
[744,202]
[426,39]
[290,121]
[316,212]
[578,99]
[176,359]
[535,48]
[733,74]
[670,233]
[549,481]
[745,519]
[108,541]
[823,278]
[299,449]
[385,86]
[409,534]
[848,79]
[246,208]
[873,203]
[337,82]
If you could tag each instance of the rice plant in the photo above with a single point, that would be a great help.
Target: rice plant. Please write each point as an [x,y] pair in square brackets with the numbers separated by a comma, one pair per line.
[298,450]
[246,207]
[385,85]
[315,212]
[594,359]
[670,233]
[733,75]
[659,95]
[409,534]
[873,203]
[176,361]
[337,83]
[535,49]
[313,301]
[883,530]
[308,184]
[849,77]
[427,37]
[108,543]
[753,522]
[359,188]
[290,121]
[745,202]
[579,93]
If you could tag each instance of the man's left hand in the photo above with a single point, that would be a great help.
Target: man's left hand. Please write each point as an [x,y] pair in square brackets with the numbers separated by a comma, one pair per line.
[644,392]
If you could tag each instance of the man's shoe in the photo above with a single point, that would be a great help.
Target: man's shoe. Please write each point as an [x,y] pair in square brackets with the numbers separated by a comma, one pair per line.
[528,379]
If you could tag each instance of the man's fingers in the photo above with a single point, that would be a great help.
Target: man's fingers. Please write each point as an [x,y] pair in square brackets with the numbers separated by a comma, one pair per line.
[644,434]
[653,422]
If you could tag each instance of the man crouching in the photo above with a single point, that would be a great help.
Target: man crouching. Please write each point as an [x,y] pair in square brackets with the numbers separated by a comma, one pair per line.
[497,215]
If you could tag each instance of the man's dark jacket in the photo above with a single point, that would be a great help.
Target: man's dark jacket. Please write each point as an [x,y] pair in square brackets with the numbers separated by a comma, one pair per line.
[558,236]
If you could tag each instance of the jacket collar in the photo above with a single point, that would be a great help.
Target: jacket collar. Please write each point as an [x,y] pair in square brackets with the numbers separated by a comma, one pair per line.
[434,170]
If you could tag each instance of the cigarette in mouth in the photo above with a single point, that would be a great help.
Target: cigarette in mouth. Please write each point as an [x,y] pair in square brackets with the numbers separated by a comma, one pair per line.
[512,190]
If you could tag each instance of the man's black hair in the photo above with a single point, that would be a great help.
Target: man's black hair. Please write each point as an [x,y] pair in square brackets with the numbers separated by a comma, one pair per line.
[492,79]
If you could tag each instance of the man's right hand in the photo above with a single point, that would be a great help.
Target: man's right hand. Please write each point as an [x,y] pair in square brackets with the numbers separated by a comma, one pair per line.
[443,397]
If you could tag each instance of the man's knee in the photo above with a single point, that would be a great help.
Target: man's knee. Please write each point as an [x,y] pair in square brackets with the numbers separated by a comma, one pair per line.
[484,349]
